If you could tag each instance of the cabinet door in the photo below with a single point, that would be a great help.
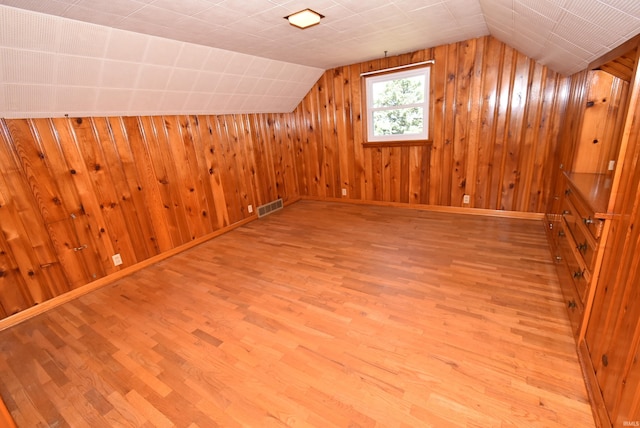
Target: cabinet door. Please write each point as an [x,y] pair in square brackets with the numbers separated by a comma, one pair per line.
[598,142]
[629,409]
[614,358]
[613,331]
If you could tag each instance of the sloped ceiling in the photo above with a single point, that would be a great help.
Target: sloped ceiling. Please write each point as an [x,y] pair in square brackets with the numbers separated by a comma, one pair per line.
[128,57]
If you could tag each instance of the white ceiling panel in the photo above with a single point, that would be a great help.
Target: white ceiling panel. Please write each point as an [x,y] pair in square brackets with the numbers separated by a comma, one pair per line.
[207,82]
[18,66]
[53,66]
[81,13]
[79,38]
[192,56]
[631,7]
[147,102]
[162,51]
[182,79]
[113,101]
[197,101]
[75,99]
[78,71]
[212,52]
[123,46]
[154,77]
[30,31]
[120,74]
[37,100]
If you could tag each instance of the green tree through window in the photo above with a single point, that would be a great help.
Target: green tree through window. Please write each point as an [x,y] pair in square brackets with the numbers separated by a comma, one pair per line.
[398,105]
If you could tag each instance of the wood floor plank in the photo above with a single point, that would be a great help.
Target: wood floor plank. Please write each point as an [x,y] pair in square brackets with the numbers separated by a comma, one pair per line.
[321,314]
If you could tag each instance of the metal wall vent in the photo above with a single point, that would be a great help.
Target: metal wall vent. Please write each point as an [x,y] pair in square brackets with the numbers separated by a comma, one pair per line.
[266,209]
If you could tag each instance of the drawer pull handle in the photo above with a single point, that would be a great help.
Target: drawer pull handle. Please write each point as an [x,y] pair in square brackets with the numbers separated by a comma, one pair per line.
[565,212]
[578,274]
[558,259]
[561,233]
[80,248]
[583,248]
[571,304]
[587,220]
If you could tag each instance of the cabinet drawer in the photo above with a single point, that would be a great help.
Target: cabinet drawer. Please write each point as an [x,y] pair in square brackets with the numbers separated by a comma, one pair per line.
[585,247]
[573,304]
[578,272]
[585,244]
[584,215]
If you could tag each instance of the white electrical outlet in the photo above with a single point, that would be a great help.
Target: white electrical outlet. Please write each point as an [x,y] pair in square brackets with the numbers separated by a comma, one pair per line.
[117,260]
[612,165]
[344,192]
[466,199]
[250,209]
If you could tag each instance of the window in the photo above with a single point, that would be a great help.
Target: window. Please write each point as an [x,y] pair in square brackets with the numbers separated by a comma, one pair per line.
[398,106]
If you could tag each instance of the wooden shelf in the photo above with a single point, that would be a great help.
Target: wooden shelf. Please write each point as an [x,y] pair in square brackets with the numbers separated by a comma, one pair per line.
[594,189]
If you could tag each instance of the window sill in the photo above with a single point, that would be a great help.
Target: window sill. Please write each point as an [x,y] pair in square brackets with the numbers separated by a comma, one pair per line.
[397,143]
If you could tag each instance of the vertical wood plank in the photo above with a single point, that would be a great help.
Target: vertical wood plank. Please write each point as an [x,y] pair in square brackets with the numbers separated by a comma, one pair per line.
[360,178]
[285,152]
[474,122]
[202,211]
[439,102]
[157,132]
[247,157]
[512,155]
[265,133]
[90,148]
[159,211]
[488,122]
[331,155]
[143,199]
[529,136]
[449,168]
[208,163]
[122,192]
[90,226]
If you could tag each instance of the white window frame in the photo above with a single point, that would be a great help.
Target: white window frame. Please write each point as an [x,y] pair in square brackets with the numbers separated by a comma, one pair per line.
[426,105]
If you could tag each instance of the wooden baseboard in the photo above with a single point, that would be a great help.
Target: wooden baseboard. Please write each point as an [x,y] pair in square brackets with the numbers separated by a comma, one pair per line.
[600,414]
[436,208]
[33,311]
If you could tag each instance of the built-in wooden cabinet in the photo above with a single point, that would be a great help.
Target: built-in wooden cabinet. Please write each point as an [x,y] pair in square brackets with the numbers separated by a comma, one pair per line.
[592,224]
[579,216]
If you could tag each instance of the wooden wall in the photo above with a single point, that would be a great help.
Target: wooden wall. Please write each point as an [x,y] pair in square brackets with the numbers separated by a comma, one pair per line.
[495,126]
[137,186]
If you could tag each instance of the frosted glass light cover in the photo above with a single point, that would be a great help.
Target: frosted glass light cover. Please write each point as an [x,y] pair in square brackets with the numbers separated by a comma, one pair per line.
[304,18]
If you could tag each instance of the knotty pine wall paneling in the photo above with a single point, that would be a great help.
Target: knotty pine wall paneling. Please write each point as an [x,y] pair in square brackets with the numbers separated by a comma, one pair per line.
[495,126]
[75,191]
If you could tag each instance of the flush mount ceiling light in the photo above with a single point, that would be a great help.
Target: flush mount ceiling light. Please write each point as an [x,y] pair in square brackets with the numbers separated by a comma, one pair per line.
[304,19]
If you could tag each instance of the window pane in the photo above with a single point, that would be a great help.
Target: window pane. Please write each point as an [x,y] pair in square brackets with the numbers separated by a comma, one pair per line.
[398,92]
[398,121]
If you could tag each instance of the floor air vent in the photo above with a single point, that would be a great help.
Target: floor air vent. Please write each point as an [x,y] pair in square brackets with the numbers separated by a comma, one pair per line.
[266,209]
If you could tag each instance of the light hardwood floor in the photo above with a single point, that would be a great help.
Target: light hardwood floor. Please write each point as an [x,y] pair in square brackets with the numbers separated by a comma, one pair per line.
[322,314]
